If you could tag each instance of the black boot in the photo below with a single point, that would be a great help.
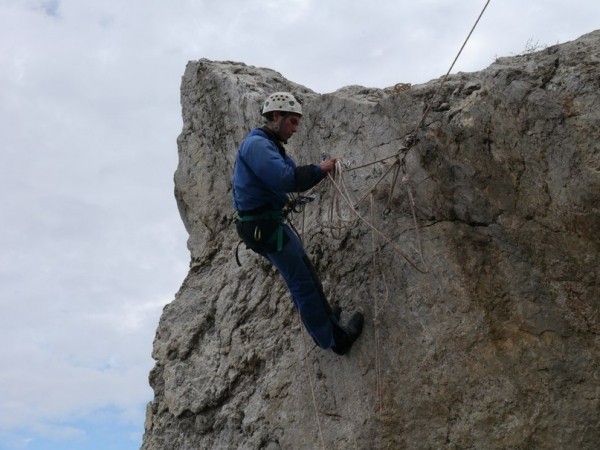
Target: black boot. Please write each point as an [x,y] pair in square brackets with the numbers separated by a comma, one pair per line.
[336,311]
[349,334]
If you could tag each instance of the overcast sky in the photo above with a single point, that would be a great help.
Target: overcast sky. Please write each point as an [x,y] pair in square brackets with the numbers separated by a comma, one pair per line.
[91,244]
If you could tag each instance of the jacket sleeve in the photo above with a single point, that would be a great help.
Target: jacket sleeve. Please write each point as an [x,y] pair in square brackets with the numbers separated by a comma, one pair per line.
[265,161]
[279,172]
[307,177]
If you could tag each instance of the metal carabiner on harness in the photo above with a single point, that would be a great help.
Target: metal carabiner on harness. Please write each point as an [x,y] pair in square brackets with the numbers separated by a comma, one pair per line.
[257,233]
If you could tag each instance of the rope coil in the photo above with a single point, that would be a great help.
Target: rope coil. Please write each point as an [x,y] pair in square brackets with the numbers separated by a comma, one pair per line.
[340,191]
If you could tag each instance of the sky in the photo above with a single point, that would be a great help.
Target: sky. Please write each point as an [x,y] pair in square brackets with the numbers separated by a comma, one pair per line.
[91,243]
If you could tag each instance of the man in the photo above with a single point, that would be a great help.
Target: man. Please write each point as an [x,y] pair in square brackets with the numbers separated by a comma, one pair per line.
[262,178]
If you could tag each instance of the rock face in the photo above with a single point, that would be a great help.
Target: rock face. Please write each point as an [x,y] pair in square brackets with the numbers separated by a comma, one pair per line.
[491,342]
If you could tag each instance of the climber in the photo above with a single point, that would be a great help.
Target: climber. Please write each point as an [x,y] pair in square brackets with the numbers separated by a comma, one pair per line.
[263,176]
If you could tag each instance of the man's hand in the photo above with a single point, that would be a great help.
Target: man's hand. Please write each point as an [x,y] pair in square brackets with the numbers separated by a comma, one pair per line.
[328,165]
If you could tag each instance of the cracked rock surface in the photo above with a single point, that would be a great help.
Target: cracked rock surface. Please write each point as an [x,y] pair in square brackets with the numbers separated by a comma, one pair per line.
[496,345]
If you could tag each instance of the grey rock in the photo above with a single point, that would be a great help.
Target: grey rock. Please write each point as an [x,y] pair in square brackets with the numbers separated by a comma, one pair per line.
[495,345]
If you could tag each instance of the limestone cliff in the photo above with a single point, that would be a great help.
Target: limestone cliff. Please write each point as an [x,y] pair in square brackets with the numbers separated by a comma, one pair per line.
[494,343]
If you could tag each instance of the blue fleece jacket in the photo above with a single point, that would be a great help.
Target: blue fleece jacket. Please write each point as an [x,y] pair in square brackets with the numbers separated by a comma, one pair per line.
[264,174]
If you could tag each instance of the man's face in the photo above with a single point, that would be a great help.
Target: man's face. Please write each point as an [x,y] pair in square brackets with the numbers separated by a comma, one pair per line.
[288,125]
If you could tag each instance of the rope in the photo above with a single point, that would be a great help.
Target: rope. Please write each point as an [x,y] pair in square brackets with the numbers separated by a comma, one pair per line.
[388,170]
[410,138]
[308,367]
[451,67]
[340,191]
[338,219]
[312,386]
[371,163]
[376,310]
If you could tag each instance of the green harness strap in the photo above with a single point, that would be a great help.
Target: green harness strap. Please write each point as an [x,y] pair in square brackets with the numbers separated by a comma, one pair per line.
[268,215]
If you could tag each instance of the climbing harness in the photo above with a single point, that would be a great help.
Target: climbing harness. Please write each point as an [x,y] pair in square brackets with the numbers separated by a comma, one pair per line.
[266,228]
[262,223]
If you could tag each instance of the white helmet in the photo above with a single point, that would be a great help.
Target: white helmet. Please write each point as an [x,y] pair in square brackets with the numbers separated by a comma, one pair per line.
[281,101]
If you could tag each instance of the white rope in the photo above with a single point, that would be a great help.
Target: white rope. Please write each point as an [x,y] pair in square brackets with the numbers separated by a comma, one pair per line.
[311,382]
[376,311]
[308,366]
[342,192]
[339,217]
[342,218]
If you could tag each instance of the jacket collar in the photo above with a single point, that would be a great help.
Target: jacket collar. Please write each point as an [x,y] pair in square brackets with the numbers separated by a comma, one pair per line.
[273,137]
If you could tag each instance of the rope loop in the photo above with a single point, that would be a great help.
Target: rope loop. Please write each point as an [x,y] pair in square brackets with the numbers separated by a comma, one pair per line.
[343,218]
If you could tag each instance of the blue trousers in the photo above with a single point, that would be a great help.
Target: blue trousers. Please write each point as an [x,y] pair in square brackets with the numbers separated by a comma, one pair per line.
[306,290]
